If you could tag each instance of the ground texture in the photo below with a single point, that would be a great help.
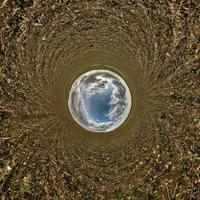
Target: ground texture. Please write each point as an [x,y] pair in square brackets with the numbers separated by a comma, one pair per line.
[155,46]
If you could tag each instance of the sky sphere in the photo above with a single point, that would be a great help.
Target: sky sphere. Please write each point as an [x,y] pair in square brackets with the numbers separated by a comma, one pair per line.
[99,101]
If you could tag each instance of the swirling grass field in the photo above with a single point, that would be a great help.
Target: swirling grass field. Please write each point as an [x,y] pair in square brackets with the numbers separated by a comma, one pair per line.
[46,45]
